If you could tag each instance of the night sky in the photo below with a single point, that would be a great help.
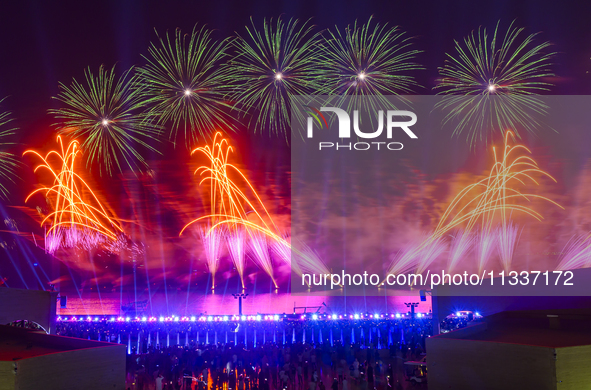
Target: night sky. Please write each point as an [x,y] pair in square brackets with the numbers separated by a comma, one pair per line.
[44,43]
[47,43]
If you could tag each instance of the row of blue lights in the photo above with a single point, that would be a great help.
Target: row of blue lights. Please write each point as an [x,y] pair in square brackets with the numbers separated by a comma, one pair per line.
[465,314]
[362,316]
[258,317]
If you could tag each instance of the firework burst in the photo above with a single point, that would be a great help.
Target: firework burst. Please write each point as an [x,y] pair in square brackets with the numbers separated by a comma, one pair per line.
[576,253]
[186,85]
[491,82]
[272,66]
[8,161]
[78,218]
[369,60]
[232,210]
[212,245]
[282,250]
[485,247]
[107,113]
[430,253]
[237,247]
[507,236]
[308,260]
[402,262]
[237,213]
[487,203]
[498,194]
[461,245]
[230,206]
[260,253]
[418,255]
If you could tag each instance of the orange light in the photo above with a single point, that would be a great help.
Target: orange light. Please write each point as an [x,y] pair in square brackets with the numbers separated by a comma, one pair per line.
[230,207]
[485,202]
[78,217]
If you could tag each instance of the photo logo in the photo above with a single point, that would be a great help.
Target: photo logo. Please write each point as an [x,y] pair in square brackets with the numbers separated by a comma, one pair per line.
[393,121]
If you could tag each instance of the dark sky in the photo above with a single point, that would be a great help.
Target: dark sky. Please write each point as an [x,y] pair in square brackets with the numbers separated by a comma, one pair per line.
[43,43]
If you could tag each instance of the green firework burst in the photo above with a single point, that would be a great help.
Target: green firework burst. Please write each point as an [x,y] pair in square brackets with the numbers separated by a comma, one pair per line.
[186,84]
[107,113]
[8,161]
[367,61]
[491,83]
[272,66]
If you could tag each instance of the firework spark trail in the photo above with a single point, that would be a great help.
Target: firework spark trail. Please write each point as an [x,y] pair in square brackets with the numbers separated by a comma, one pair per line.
[496,195]
[308,260]
[237,247]
[272,66]
[260,253]
[507,238]
[461,245]
[8,161]
[487,200]
[485,246]
[430,253]
[78,217]
[109,113]
[418,255]
[229,205]
[369,60]
[403,261]
[232,209]
[576,253]
[212,244]
[74,237]
[491,84]
[488,235]
[283,252]
[185,84]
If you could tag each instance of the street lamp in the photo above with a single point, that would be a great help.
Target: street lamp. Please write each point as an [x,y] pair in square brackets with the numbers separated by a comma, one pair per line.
[412,306]
[240,297]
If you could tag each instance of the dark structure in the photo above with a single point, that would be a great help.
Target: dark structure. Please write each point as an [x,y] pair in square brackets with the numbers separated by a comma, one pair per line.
[31,305]
[35,360]
[488,300]
[540,349]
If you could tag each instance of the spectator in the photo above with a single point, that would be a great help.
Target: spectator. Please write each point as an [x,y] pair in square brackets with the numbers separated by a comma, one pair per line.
[335,384]
[159,380]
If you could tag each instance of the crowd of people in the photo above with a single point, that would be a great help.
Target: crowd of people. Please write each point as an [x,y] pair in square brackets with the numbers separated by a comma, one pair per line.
[270,366]
[264,355]
[139,335]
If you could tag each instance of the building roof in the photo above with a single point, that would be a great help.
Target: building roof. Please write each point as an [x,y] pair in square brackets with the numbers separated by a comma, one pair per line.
[552,338]
[19,343]
[551,329]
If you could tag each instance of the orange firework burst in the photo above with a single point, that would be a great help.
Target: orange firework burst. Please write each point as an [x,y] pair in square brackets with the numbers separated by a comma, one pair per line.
[78,217]
[236,212]
[229,204]
[486,203]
